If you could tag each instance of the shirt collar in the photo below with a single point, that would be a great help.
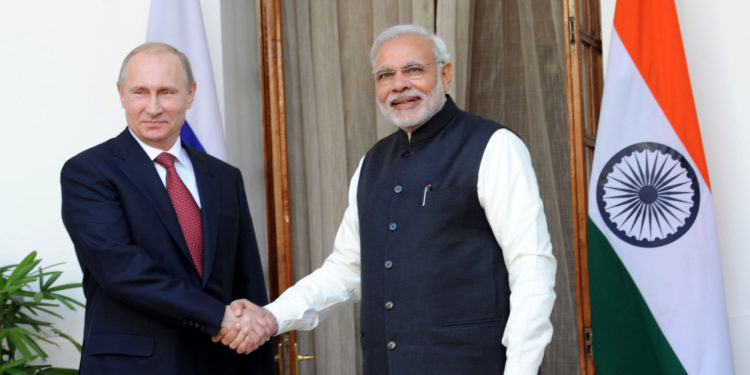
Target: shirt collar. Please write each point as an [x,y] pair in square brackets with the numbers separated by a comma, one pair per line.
[177,151]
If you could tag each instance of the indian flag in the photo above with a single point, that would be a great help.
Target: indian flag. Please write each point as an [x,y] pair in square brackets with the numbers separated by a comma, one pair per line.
[657,298]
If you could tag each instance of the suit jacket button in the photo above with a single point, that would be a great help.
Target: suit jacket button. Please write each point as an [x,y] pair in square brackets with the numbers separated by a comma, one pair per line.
[388,264]
[398,189]
[392,226]
[388,305]
[391,345]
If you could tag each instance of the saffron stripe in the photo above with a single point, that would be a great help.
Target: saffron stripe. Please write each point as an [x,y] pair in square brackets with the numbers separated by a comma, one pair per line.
[650,32]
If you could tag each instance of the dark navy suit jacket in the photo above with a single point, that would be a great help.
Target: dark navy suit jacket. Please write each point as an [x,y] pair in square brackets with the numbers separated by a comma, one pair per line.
[148,311]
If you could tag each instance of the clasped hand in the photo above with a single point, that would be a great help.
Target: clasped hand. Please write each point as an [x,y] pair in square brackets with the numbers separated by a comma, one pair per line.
[246,326]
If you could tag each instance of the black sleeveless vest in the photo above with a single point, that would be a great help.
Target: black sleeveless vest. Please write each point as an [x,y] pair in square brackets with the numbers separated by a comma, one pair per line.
[434,284]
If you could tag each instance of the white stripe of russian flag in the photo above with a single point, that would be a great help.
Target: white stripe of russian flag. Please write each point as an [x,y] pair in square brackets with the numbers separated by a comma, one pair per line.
[179,23]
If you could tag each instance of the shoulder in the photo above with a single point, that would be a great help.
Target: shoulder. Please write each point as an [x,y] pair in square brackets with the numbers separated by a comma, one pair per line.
[121,146]
[386,143]
[506,138]
[215,165]
[506,150]
[480,124]
[97,155]
[497,132]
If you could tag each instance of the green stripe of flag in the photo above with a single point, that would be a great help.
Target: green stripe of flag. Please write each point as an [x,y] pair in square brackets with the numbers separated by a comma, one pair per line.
[627,339]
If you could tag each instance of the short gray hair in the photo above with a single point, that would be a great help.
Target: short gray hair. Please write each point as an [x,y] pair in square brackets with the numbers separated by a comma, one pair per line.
[158,47]
[439,50]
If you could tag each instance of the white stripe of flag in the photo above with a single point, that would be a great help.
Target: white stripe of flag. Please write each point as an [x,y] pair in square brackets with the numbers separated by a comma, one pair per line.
[180,24]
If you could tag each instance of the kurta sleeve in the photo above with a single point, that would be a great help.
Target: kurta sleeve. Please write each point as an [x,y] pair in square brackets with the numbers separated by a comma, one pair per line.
[508,192]
[330,287]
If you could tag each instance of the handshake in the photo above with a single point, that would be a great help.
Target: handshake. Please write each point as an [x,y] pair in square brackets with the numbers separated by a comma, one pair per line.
[245,326]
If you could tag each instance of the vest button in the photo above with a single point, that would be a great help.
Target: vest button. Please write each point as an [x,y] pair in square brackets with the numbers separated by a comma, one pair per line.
[388,264]
[391,345]
[405,154]
[388,305]
[398,189]
[392,227]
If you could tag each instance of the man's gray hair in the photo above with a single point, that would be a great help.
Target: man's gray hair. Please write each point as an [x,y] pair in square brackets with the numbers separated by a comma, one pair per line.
[156,47]
[439,50]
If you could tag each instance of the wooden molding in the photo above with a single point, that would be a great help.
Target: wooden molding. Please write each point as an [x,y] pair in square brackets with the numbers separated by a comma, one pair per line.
[275,144]
[280,274]
[576,125]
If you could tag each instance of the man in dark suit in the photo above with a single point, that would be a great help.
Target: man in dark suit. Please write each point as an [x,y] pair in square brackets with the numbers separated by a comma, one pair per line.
[163,235]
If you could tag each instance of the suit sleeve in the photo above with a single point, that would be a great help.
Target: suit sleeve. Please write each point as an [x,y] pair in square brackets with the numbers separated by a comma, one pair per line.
[93,214]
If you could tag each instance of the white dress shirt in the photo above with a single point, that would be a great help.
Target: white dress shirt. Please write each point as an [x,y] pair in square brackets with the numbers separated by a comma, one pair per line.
[508,192]
[182,165]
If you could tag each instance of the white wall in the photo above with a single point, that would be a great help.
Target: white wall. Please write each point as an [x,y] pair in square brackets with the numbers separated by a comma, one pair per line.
[59,61]
[717,48]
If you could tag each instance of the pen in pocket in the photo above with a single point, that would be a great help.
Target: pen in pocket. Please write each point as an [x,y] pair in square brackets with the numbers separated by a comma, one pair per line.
[424,195]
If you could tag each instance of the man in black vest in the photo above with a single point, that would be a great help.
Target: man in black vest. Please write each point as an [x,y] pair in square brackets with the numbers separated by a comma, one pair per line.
[444,241]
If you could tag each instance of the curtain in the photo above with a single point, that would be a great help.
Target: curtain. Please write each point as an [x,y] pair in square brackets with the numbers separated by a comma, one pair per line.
[518,78]
[509,65]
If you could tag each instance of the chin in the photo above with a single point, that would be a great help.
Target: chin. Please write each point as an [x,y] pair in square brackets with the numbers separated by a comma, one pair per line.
[415,117]
[405,121]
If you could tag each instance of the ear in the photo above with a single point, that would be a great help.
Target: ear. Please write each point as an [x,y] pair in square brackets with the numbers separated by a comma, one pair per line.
[122,95]
[446,75]
[191,95]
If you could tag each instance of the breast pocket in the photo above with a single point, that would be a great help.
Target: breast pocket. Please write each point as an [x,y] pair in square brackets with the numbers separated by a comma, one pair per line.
[432,198]
[446,208]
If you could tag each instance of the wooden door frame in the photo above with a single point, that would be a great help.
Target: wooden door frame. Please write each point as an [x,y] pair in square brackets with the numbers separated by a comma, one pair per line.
[583,104]
[578,183]
[280,276]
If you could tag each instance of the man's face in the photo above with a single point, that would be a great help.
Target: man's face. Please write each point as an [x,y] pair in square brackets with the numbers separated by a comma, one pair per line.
[409,100]
[155,95]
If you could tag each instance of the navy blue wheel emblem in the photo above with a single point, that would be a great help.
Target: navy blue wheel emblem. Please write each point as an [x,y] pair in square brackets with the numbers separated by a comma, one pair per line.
[648,194]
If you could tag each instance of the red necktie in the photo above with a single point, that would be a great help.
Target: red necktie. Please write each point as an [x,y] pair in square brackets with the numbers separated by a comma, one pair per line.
[188,213]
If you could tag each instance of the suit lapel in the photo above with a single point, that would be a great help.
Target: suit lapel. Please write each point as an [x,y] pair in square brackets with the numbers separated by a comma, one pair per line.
[209,195]
[134,162]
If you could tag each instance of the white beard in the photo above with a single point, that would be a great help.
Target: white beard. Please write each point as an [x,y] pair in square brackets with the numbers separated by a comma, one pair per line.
[405,119]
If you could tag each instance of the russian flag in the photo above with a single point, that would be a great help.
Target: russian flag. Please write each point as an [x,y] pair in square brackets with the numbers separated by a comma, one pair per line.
[657,297]
[179,23]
